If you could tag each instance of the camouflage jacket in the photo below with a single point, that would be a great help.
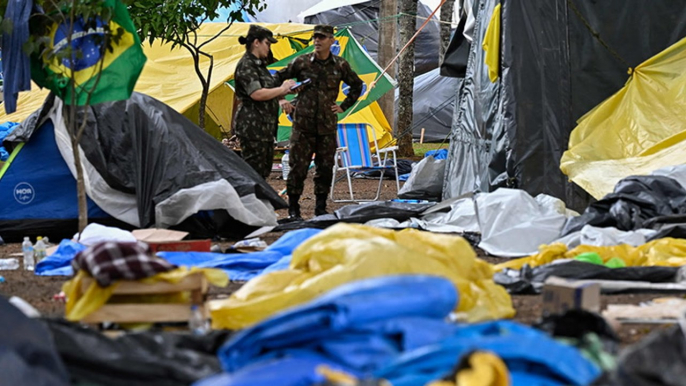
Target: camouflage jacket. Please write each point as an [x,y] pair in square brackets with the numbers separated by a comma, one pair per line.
[316,99]
[255,120]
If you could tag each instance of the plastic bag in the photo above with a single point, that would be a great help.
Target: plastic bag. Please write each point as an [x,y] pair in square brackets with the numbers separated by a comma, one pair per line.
[426,180]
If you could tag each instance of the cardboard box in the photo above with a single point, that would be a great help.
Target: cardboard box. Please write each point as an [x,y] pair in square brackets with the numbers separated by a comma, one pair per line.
[165,240]
[561,295]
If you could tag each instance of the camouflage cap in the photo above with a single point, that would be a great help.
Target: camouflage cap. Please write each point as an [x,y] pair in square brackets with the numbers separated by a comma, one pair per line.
[261,33]
[322,29]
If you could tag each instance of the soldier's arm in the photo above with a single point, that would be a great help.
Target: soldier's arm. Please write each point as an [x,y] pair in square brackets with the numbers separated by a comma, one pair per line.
[355,84]
[249,80]
[289,72]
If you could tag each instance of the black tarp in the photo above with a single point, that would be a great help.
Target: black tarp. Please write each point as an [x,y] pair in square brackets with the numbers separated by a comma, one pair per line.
[362,21]
[657,360]
[530,280]
[27,353]
[360,214]
[553,70]
[176,174]
[145,358]
[636,202]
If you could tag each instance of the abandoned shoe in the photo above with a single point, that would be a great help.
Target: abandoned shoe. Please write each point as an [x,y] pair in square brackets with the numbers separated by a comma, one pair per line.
[320,207]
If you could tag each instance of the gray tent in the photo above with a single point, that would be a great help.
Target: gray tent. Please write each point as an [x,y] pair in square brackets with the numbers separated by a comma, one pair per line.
[433,105]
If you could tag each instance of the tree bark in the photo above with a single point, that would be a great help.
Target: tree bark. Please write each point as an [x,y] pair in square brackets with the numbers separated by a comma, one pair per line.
[447,12]
[408,27]
[388,48]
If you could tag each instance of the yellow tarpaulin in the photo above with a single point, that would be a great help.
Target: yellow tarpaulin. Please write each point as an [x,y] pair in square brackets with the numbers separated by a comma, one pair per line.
[169,76]
[80,305]
[640,129]
[491,45]
[665,252]
[345,253]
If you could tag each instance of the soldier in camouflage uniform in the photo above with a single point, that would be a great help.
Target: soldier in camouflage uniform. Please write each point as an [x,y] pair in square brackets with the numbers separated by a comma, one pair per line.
[315,117]
[259,93]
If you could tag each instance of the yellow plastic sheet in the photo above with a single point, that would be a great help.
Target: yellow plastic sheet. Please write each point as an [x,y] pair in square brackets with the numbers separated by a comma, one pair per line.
[636,131]
[81,305]
[491,45]
[665,252]
[485,369]
[345,253]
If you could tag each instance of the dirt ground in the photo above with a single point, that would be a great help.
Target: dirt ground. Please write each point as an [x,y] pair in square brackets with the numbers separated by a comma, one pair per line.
[41,291]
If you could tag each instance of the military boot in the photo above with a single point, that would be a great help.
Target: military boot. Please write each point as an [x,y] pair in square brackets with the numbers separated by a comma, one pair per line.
[294,208]
[320,207]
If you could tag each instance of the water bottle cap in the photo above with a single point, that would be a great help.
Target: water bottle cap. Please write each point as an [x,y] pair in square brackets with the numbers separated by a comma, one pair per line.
[26,238]
[39,238]
[194,307]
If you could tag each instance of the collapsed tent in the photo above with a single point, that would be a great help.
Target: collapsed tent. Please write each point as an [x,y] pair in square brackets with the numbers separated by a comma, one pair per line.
[362,18]
[168,76]
[144,165]
[551,64]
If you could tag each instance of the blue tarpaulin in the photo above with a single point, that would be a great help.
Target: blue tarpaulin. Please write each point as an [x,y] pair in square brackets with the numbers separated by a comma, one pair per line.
[5,129]
[59,263]
[239,266]
[392,328]
[244,266]
[532,357]
[360,326]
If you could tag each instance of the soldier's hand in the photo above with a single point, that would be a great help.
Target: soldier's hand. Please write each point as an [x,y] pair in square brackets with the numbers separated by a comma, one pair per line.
[336,109]
[286,86]
[286,106]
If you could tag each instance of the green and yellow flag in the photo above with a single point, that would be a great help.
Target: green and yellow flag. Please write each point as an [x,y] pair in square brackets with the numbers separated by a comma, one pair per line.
[366,68]
[121,65]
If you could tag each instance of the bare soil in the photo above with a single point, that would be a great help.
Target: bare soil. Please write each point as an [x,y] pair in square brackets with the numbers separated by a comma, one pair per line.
[40,291]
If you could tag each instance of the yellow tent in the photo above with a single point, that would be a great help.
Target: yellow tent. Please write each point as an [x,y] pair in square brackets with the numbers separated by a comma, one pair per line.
[636,131]
[170,77]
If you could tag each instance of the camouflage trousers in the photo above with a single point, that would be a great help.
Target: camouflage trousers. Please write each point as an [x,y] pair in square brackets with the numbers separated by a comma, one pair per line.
[258,154]
[303,145]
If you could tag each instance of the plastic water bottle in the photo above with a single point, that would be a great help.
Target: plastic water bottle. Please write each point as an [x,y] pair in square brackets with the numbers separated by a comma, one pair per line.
[197,323]
[27,249]
[285,167]
[39,250]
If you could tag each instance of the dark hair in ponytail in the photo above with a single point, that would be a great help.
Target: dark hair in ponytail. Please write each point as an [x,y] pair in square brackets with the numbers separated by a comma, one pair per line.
[247,41]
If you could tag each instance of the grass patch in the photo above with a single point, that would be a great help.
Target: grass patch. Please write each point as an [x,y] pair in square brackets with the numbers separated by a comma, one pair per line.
[421,148]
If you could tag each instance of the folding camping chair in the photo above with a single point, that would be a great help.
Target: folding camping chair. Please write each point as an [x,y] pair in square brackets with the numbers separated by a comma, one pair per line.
[354,154]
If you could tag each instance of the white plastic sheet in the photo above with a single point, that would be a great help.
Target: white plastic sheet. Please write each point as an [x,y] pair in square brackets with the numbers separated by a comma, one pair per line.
[606,237]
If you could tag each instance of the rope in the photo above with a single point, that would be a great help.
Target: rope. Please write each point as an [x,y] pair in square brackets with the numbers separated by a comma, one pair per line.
[596,35]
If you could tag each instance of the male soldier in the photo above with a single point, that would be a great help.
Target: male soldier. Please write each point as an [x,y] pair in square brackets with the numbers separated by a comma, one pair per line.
[315,117]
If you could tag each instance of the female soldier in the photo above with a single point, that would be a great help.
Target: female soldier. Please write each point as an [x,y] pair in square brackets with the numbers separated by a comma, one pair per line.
[259,93]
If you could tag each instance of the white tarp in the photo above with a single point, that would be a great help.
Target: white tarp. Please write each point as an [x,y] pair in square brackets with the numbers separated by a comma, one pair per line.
[511,222]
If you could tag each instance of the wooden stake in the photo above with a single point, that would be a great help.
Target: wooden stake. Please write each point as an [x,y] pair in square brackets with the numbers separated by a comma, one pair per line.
[421,137]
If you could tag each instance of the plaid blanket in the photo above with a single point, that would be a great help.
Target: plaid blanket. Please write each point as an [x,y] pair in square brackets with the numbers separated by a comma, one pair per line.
[109,261]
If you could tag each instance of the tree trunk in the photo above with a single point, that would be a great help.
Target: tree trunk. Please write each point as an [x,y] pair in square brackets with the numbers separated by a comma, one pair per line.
[447,12]
[408,27]
[203,103]
[80,187]
[388,48]
[70,114]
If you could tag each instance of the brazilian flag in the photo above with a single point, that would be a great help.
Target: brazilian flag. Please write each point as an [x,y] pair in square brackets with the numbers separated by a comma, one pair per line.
[121,64]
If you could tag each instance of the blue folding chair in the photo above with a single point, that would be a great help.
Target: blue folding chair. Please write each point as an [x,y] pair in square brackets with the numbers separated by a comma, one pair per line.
[354,154]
